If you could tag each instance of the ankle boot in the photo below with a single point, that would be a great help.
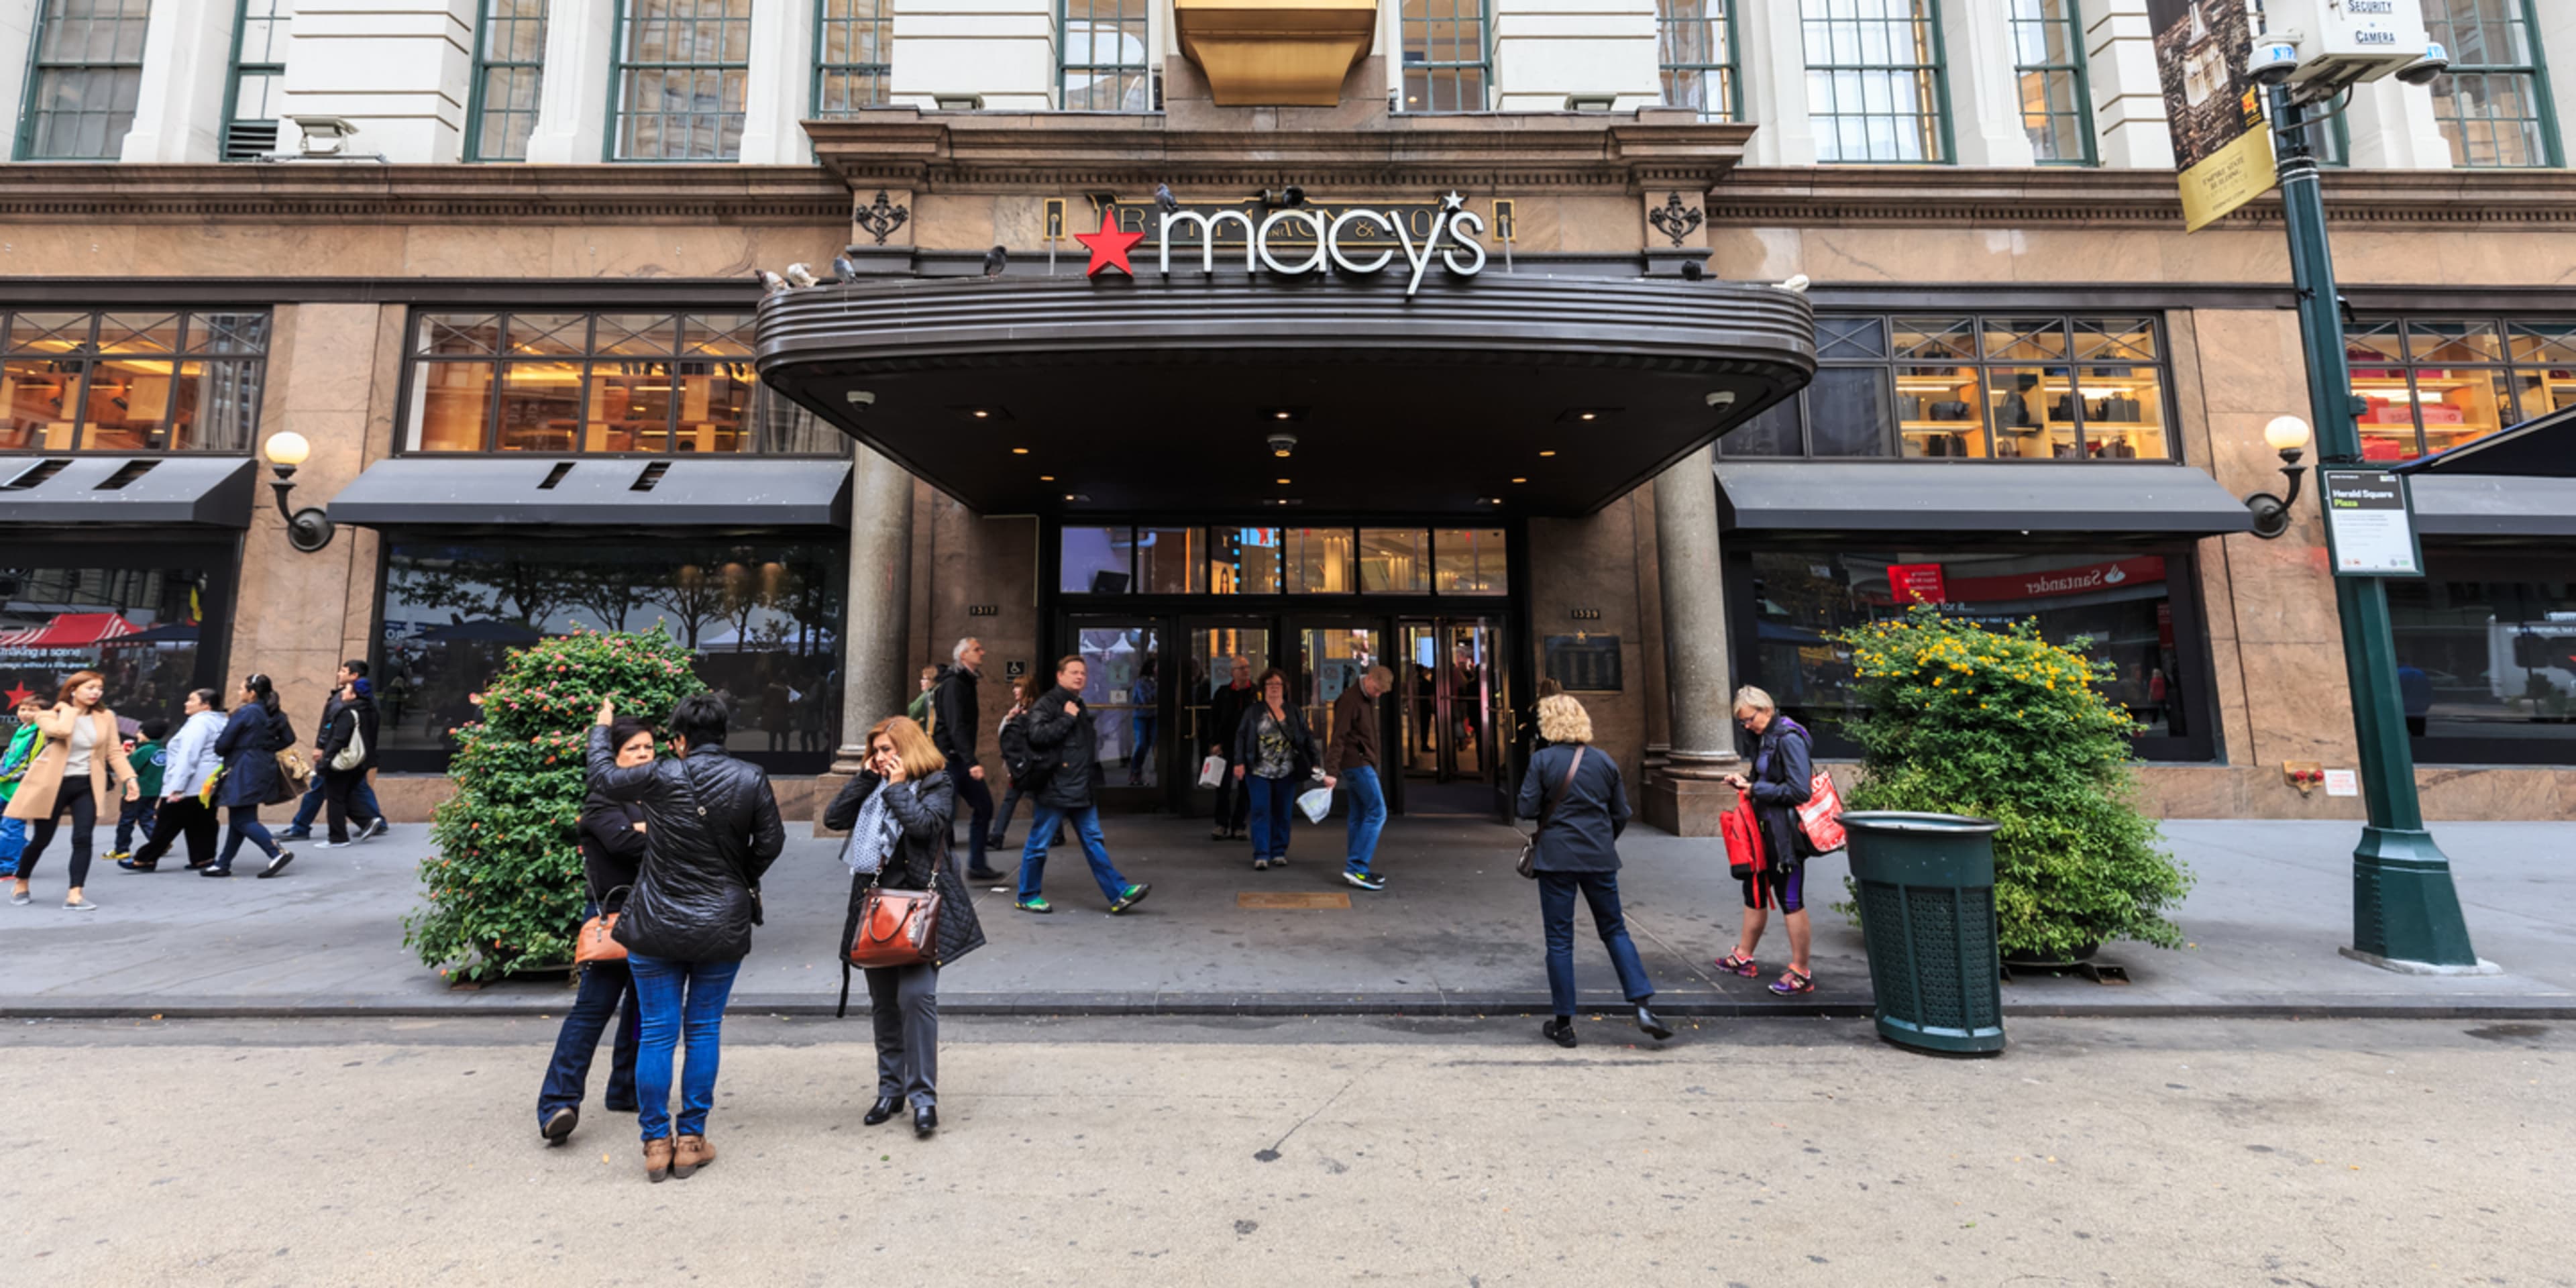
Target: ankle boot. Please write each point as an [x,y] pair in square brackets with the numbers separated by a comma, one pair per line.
[657,1159]
[689,1154]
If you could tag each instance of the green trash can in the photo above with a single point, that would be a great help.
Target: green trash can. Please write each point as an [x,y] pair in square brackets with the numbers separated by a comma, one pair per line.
[1927,914]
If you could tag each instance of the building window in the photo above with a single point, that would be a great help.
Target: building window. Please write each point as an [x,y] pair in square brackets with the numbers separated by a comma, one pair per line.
[1104,65]
[1695,50]
[2486,657]
[762,614]
[613,383]
[138,381]
[1875,86]
[2048,69]
[509,70]
[2121,603]
[854,40]
[2435,383]
[681,69]
[257,90]
[84,72]
[1447,59]
[1961,387]
[149,618]
[1097,559]
[2493,105]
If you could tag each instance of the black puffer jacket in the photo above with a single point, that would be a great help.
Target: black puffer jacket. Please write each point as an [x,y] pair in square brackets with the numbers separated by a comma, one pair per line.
[955,720]
[1075,746]
[711,830]
[921,809]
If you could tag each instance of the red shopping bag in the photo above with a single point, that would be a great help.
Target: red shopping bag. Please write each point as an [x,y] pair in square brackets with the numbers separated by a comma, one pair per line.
[1743,835]
[1821,818]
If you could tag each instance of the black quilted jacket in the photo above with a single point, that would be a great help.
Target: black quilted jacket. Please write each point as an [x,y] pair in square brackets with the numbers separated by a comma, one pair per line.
[921,810]
[710,830]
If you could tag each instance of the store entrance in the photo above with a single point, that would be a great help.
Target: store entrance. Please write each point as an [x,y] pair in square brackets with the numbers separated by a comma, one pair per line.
[1456,728]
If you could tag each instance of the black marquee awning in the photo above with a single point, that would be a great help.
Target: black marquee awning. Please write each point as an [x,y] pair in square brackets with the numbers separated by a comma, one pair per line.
[2516,483]
[2034,498]
[122,491]
[619,492]
[1519,392]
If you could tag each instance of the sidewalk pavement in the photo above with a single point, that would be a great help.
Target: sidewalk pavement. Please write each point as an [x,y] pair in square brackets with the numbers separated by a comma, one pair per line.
[1454,933]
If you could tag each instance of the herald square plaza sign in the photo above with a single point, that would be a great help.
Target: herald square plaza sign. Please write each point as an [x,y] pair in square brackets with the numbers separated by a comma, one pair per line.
[1361,239]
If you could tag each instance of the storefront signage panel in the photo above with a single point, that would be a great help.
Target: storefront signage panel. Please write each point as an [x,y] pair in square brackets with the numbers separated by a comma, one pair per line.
[2370,525]
[1915,583]
[1927,583]
[1584,663]
[1358,239]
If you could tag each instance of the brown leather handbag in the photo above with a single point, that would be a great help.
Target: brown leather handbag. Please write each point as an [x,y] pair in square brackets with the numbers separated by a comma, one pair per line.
[598,939]
[898,927]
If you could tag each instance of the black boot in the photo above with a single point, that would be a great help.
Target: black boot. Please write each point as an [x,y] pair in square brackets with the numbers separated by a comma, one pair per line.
[1559,1031]
[883,1109]
[1654,1028]
[925,1120]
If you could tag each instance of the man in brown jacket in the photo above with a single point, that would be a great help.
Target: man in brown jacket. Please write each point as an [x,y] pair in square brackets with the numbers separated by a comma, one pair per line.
[1353,759]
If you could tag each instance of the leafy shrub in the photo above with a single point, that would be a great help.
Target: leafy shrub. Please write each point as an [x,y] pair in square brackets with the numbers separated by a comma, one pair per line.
[2006,726]
[504,893]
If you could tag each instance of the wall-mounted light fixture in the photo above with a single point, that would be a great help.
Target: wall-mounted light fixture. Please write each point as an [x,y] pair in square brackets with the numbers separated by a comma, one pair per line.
[308,529]
[2287,435]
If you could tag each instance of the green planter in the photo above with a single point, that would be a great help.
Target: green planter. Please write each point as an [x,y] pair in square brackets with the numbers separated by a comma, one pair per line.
[1927,915]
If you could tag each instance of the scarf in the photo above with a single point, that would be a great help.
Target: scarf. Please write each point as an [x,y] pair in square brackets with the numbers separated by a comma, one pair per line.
[872,837]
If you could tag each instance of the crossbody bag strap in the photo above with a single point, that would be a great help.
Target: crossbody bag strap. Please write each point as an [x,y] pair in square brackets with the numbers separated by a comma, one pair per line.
[1547,809]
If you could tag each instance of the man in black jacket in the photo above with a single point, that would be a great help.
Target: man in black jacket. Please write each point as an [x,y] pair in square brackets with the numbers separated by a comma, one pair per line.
[1225,713]
[1065,781]
[710,830]
[954,719]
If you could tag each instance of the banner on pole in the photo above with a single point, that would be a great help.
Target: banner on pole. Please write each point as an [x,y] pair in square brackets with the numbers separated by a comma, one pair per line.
[2222,144]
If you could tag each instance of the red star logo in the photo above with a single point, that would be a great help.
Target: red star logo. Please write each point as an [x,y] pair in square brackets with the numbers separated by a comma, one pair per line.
[18,696]
[1109,246]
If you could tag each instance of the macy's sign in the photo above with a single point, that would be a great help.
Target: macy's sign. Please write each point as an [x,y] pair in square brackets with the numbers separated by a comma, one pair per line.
[1359,240]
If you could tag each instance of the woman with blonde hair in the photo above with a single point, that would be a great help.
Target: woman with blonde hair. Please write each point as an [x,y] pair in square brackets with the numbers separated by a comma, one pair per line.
[896,812]
[1581,806]
[1782,752]
[81,743]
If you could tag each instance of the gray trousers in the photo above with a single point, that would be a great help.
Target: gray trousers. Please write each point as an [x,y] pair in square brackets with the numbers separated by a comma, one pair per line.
[903,1004]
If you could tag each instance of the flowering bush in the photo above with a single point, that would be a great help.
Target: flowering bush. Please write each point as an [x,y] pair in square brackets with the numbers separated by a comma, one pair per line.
[504,893]
[2006,726]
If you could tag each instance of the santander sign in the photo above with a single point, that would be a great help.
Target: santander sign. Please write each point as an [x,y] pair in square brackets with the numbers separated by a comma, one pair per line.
[1358,240]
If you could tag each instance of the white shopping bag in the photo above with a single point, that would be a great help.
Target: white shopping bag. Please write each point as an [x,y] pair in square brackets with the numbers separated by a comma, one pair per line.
[1316,803]
[1212,770]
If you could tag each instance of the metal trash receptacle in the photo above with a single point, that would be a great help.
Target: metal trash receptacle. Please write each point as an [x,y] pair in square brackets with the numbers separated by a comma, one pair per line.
[1927,915]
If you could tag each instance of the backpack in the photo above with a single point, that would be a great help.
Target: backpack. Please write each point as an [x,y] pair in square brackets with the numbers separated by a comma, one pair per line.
[1029,771]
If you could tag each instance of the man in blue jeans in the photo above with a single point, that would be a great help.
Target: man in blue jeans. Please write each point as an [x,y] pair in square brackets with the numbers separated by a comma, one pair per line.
[1353,759]
[1066,785]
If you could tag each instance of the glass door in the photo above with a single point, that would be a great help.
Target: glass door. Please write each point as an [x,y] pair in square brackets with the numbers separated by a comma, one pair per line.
[1221,653]
[1330,659]
[1456,734]
[1123,688]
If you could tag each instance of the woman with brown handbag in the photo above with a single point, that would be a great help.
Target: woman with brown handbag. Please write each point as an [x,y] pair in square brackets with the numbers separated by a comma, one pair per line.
[612,856]
[79,773]
[896,812]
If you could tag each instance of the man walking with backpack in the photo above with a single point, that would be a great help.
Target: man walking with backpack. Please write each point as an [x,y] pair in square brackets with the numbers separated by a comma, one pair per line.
[1063,775]
[954,718]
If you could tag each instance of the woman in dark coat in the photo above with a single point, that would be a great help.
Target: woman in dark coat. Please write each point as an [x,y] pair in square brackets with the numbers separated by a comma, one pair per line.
[1273,753]
[1783,765]
[612,855]
[896,812]
[252,737]
[1583,805]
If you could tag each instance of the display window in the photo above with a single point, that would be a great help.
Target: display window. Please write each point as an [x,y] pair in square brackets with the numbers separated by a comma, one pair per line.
[2486,657]
[131,382]
[2131,609]
[2431,384]
[762,615]
[1119,559]
[153,622]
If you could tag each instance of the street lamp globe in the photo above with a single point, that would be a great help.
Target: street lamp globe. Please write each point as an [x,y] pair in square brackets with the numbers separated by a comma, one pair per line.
[2284,433]
[288,448]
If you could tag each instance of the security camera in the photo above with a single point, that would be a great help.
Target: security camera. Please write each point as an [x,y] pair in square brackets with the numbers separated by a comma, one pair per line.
[2273,61]
[2436,60]
[1283,442]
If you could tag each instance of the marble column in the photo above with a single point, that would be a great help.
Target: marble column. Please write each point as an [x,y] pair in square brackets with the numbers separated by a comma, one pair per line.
[875,684]
[1685,796]
[572,98]
[780,85]
[179,112]
[1985,92]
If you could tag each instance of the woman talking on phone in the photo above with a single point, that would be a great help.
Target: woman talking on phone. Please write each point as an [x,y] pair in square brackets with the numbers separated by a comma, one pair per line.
[896,812]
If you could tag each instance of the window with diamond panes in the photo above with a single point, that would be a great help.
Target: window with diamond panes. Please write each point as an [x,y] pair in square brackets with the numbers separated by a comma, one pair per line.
[134,380]
[84,73]
[682,67]
[256,94]
[2048,71]
[854,45]
[1958,387]
[2493,104]
[1105,67]
[2431,384]
[605,383]
[1447,60]
[509,70]
[1876,90]
[1695,52]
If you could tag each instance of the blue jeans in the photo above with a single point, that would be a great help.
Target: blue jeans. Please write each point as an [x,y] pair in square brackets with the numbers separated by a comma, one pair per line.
[603,986]
[362,802]
[1368,816]
[672,996]
[1273,800]
[245,823]
[13,842]
[1086,825]
[1556,906]
[132,814]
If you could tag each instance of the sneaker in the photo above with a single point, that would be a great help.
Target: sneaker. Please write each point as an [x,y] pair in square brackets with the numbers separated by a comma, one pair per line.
[1261,865]
[1135,894]
[1034,905]
[278,864]
[135,865]
[375,829]
[84,905]
[214,872]
[21,899]
[119,856]
[1365,880]
[296,834]
[983,874]
[1280,862]
[333,845]
[559,1125]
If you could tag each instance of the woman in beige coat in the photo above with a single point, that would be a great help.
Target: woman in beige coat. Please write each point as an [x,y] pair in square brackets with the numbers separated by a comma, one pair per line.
[80,743]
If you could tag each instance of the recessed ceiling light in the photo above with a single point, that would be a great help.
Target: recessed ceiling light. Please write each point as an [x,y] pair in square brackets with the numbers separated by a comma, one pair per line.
[1548,451]
[1520,480]
[1282,482]
[1046,478]
[1281,415]
[982,414]
[1589,415]
[1019,451]
[1280,452]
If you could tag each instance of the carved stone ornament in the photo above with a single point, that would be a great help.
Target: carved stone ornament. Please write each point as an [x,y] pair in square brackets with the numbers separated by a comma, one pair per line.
[881,217]
[1673,219]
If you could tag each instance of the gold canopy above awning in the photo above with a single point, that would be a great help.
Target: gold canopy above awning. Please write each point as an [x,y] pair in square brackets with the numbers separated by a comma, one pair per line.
[1276,53]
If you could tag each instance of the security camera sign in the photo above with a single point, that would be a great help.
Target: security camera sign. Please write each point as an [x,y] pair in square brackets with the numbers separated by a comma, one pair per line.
[2212,107]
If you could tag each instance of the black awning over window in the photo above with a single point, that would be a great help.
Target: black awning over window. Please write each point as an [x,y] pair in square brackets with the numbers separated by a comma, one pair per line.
[2494,505]
[127,491]
[2036,498]
[617,492]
